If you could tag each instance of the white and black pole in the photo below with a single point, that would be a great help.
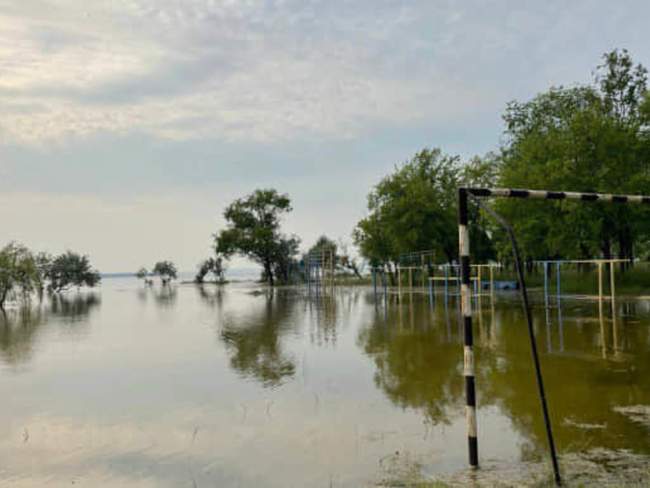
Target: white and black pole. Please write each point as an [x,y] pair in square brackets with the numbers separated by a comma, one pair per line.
[466,310]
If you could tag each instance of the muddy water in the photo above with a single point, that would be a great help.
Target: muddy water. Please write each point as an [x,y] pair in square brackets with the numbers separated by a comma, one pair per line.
[207,387]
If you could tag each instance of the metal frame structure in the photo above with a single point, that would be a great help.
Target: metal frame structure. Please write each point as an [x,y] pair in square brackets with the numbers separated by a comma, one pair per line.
[464,251]
[598,262]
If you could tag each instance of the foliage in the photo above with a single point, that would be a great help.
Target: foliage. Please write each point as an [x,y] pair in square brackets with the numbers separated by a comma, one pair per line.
[323,245]
[253,231]
[414,208]
[18,271]
[71,269]
[142,273]
[166,270]
[212,266]
[585,138]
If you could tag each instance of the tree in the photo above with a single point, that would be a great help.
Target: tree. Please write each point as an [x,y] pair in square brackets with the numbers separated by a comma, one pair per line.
[71,269]
[253,231]
[143,274]
[347,261]
[585,138]
[166,270]
[43,264]
[414,209]
[213,266]
[18,272]
[323,245]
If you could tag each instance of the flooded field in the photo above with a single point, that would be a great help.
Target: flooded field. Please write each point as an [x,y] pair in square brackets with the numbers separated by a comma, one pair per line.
[237,387]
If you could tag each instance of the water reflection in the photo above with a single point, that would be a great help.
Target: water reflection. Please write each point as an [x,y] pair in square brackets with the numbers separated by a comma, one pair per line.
[417,367]
[19,328]
[254,338]
[211,295]
[596,365]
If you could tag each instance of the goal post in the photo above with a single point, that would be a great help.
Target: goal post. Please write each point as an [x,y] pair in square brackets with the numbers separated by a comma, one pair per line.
[464,193]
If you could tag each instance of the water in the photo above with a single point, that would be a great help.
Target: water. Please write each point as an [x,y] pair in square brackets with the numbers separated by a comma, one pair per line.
[238,387]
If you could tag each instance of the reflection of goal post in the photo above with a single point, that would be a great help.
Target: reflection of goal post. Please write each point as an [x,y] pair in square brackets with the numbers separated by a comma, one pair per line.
[463,244]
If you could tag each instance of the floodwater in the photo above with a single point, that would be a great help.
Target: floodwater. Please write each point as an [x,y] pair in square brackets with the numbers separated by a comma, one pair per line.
[240,387]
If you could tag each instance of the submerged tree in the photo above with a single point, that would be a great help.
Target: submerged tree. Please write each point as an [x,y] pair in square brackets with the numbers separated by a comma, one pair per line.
[18,272]
[212,266]
[143,274]
[71,269]
[253,231]
[166,270]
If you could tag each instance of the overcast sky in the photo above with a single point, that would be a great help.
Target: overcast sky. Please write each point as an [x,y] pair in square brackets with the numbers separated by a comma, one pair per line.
[126,126]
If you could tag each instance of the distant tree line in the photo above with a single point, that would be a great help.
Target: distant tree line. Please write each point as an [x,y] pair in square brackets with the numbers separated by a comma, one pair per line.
[23,273]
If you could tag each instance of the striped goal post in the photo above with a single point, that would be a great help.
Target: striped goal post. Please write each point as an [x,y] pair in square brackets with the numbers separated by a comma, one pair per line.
[466,309]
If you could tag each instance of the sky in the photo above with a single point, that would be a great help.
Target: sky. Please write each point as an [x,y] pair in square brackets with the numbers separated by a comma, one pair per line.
[127,126]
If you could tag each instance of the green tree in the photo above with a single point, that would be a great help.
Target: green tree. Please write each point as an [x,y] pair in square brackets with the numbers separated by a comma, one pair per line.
[166,270]
[585,138]
[253,231]
[71,269]
[414,209]
[143,274]
[18,272]
[212,266]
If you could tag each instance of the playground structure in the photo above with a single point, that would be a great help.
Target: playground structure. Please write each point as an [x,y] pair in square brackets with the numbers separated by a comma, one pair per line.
[320,267]
[599,263]
[432,276]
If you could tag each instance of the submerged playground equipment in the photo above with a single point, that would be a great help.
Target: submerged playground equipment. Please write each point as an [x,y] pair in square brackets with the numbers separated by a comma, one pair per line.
[320,267]
[599,263]
[476,195]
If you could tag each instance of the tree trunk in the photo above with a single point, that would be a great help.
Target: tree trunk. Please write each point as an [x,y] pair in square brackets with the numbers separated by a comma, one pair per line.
[269,272]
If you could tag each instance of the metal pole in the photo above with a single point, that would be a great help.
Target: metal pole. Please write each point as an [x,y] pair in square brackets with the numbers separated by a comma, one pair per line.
[422,270]
[546,284]
[600,283]
[531,335]
[557,279]
[492,283]
[611,281]
[466,308]
[446,282]
[399,280]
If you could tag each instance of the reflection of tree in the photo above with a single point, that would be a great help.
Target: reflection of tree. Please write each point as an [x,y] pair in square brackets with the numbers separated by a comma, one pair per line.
[419,365]
[19,328]
[165,296]
[73,307]
[255,339]
[211,295]
[582,388]
[416,365]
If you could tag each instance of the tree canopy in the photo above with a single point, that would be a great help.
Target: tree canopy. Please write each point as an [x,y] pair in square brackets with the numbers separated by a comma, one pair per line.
[18,271]
[71,269]
[585,138]
[166,270]
[253,231]
[414,208]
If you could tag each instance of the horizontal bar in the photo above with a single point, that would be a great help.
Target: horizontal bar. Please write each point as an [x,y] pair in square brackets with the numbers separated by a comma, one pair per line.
[556,195]
[584,261]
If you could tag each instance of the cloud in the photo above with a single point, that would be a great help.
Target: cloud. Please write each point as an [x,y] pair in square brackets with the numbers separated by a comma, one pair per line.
[186,70]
